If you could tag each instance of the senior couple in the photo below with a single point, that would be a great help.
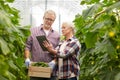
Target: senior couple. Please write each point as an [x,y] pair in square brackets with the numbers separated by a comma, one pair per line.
[64,53]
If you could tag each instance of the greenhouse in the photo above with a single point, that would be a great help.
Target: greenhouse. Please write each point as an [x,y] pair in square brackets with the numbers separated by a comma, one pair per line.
[88,48]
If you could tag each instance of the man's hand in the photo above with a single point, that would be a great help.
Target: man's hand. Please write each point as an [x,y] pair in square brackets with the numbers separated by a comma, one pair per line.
[27,62]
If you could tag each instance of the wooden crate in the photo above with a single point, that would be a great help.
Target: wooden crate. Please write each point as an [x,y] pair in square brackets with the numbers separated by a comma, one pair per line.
[35,71]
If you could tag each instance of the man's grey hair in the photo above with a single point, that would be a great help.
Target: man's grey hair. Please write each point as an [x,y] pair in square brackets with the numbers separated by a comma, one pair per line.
[50,12]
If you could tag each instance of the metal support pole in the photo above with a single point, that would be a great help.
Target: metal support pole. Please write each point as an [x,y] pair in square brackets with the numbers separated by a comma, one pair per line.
[31,21]
[59,23]
[45,5]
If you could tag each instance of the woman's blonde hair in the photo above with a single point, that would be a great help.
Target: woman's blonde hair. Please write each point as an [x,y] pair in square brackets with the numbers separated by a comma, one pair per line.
[71,25]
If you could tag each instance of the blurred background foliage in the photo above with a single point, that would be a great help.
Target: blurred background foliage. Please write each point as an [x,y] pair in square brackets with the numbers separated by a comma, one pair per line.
[98,30]
[12,39]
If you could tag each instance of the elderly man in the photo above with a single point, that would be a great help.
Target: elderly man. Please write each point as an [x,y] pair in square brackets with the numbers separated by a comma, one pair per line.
[33,51]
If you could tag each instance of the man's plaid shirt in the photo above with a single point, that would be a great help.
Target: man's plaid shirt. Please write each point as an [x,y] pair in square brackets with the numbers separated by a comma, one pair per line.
[69,56]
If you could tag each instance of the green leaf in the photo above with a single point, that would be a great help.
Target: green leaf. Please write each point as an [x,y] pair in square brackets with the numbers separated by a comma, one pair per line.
[110,49]
[99,25]
[82,3]
[3,66]
[4,19]
[2,77]
[100,47]
[12,65]
[91,38]
[20,61]
[116,5]
[90,11]
[10,1]
[10,75]
[117,77]
[4,46]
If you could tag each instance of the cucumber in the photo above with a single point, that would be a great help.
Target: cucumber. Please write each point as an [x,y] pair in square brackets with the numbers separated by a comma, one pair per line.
[41,64]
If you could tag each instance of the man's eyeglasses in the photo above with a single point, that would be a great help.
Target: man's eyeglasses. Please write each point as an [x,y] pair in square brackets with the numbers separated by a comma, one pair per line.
[48,19]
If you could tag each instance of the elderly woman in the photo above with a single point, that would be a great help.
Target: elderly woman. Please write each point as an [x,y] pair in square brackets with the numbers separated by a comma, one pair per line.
[67,65]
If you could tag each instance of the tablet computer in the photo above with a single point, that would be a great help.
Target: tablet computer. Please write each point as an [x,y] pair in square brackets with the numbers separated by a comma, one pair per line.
[40,40]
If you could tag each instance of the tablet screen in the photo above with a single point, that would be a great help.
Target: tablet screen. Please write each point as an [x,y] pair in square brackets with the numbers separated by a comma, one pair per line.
[40,40]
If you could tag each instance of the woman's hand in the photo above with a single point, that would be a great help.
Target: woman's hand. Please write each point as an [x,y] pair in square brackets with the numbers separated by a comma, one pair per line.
[49,47]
